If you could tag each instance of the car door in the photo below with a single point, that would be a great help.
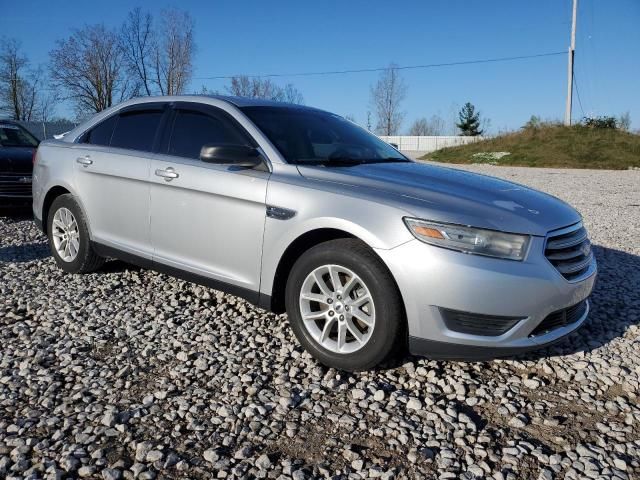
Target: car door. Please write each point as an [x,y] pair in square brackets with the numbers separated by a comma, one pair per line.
[207,219]
[112,172]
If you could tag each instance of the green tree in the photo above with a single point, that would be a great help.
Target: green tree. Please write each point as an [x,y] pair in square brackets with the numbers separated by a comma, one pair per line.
[469,123]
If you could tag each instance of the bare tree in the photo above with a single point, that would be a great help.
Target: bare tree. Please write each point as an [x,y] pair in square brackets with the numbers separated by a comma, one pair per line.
[138,43]
[485,125]
[452,119]
[47,103]
[29,94]
[291,94]
[89,68]
[12,63]
[206,91]
[420,127]
[431,127]
[255,87]
[19,86]
[437,125]
[624,121]
[173,59]
[241,86]
[386,97]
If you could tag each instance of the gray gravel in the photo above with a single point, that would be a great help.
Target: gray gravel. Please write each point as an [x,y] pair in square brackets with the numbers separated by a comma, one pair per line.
[127,373]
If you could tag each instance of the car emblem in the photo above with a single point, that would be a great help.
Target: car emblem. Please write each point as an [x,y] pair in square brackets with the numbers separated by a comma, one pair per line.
[24,179]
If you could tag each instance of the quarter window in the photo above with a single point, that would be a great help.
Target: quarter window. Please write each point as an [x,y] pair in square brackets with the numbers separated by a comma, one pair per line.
[136,130]
[194,129]
[101,133]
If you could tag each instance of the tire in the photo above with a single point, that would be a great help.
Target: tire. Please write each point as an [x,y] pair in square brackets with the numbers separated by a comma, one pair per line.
[350,259]
[81,258]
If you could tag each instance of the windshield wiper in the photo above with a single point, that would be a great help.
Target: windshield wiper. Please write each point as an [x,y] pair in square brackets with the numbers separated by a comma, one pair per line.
[387,160]
[340,161]
[345,161]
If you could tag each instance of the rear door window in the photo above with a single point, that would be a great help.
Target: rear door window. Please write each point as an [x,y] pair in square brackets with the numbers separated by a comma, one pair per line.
[136,130]
[192,129]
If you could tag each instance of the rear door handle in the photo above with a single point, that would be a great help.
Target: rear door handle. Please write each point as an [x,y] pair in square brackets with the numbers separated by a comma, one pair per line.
[84,161]
[168,174]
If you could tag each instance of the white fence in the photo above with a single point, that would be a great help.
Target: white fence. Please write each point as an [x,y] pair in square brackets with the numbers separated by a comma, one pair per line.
[408,143]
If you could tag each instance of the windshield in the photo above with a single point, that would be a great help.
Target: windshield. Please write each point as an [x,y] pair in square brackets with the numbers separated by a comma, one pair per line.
[16,136]
[305,136]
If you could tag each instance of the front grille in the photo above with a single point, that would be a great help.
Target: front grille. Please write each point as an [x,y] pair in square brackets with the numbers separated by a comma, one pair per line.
[569,250]
[560,318]
[477,324]
[14,185]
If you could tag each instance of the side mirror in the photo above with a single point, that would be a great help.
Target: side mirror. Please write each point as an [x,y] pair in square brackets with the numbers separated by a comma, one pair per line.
[238,155]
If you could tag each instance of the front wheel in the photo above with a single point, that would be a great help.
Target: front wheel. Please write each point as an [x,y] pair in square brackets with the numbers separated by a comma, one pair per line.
[344,306]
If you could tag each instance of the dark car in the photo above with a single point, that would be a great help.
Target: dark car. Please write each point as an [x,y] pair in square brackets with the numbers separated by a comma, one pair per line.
[17,147]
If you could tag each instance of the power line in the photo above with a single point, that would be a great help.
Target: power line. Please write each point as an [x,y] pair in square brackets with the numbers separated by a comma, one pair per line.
[380,69]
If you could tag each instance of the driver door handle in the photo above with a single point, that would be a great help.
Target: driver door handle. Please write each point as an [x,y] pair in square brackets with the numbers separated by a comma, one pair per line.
[84,161]
[168,174]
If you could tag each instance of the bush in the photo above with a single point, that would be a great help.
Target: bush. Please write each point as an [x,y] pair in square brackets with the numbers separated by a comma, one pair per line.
[536,123]
[601,122]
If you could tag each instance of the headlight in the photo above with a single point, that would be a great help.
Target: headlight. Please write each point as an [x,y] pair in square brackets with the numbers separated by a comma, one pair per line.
[470,240]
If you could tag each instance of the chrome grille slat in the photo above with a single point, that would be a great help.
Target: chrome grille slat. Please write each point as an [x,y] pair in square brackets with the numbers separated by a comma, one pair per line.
[569,251]
[568,241]
[566,255]
[575,266]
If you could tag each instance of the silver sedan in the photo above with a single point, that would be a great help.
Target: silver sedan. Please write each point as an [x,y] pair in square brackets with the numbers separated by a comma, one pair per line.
[299,210]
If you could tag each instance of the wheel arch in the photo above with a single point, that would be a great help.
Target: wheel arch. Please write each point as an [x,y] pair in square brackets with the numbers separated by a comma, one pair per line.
[53,193]
[276,301]
[297,247]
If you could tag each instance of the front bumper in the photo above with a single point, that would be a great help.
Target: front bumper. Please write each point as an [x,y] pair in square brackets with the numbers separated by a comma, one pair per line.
[454,351]
[432,278]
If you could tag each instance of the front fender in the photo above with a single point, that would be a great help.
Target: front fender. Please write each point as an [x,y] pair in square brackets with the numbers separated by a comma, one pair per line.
[377,224]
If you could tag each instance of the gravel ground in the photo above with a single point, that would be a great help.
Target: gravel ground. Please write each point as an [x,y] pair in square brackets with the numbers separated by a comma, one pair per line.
[127,373]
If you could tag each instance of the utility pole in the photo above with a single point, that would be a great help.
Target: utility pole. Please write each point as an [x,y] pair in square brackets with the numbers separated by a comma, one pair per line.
[571,56]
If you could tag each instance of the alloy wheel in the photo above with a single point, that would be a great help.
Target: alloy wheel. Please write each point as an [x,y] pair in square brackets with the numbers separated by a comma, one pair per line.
[337,309]
[66,234]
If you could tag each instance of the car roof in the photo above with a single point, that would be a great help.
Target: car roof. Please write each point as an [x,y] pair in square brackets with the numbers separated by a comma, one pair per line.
[237,102]
[248,102]
[241,102]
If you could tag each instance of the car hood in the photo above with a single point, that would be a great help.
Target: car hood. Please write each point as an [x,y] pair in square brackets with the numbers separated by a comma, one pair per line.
[16,159]
[454,196]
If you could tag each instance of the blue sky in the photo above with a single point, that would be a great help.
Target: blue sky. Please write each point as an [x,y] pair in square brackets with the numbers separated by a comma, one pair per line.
[259,37]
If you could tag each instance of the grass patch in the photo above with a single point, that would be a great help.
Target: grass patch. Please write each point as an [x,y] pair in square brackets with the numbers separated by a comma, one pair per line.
[551,146]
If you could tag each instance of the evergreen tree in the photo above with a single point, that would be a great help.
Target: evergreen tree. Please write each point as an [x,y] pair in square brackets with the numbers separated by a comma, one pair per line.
[469,123]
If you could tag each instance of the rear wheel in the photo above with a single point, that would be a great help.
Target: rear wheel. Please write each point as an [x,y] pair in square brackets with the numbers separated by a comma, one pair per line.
[344,306]
[69,237]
